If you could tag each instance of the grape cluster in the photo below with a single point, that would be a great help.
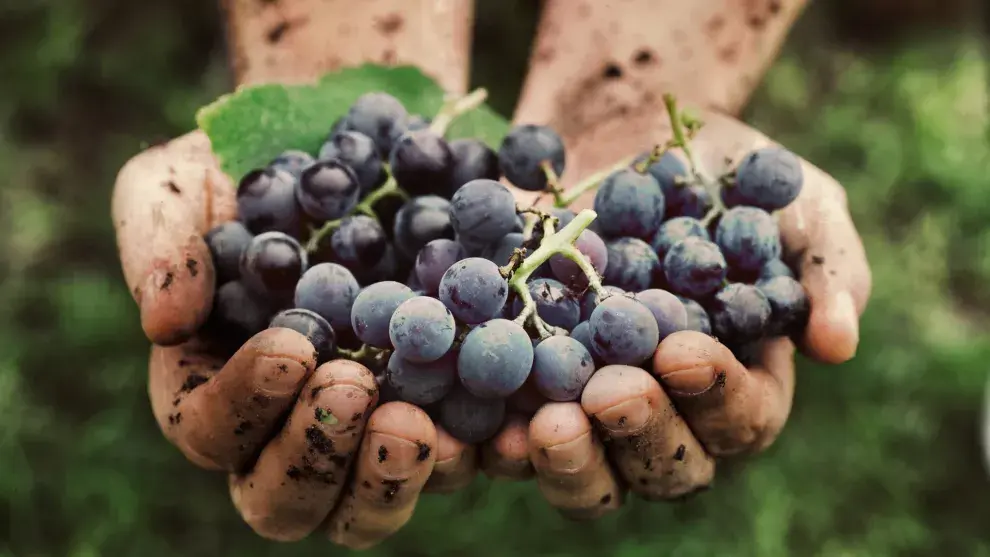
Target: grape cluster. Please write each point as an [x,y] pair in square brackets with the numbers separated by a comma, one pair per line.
[404,250]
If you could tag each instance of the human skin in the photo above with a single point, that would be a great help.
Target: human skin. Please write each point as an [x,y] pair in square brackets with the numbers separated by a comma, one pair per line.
[290,483]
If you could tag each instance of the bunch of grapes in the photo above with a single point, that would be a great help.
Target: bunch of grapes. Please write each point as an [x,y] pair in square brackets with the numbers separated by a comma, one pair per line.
[400,249]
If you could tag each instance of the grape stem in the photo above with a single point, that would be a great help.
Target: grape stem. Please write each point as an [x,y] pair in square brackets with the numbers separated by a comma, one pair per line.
[357,355]
[565,198]
[561,242]
[684,127]
[365,207]
[454,108]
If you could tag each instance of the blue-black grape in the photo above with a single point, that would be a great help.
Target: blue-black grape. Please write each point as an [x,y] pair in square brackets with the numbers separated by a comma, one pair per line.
[740,313]
[495,359]
[483,211]
[522,152]
[359,152]
[582,334]
[697,317]
[473,160]
[434,260]
[500,252]
[421,163]
[379,116]
[556,305]
[372,311]
[387,267]
[293,161]
[789,305]
[328,289]
[238,313]
[623,331]
[748,237]
[670,313]
[769,178]
[272,264]
[421,220]
[776,268]
[328,190]
[684,197]
[266,202]
[632,264]
[311,325]
[692,200]
[593,247]
[629,204]
[473,290]
[359,242]
[591,300]
[422,383]
[675,230]
[562,367]
[669,172]
[470,419]
[421,329]
[694,267]
[417,122]
[227,242]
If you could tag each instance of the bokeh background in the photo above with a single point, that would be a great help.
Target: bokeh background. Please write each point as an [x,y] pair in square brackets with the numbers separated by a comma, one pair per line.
[882,455]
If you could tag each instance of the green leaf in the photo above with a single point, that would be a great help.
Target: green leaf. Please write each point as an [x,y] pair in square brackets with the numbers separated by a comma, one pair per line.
[251,126]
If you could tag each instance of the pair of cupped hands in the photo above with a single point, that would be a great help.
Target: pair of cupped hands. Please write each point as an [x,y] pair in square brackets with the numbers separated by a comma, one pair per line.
[343,465]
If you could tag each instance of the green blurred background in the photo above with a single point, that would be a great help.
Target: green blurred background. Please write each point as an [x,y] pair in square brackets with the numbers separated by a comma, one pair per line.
[881,456]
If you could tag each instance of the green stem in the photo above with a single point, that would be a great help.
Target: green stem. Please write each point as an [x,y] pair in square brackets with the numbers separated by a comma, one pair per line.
[454,108]
[677,127]
[594,280]
[358,354]
[529,226]
[365,207]
[318,234]
[655,155]
[591,182]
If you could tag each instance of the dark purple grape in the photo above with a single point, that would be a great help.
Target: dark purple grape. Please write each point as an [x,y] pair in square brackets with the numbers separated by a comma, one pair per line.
[629,204]
[328,190]
[694,267]
[310,324]
[238,313]
[272,264]
[623,331]
[227,242]
[562,367]
[483,211]
[379,116]
[697,317]
[675,230]
[749,238]
[372,311]
[359,152]
[470,419]
[523,150]
[592,246]
[669,311]
[769,178]
[473,160]
[417,122]
[591,301]
[473,290]
[293,161]
[422,383]
[421,329]
[502,250]
[359,241]
[692,200]
[421,163]
[495,359]
[776,268]
[789,305]
[328,289]
[740,313]
[266,202]
[669,172]
[419,221]
[434,260]
[632,264]
[556,305]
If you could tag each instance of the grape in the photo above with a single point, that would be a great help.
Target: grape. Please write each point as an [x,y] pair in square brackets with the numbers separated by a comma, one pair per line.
[697,317]
[328,190]
[789,305]
[776,268]
[502,250]
[623,331]
[372,311]
[227,242]
[421,163]
[272,264]
[357,151]
[592,246]
[328,289]
[694,267]
[582,334]
[386,208]
[387,267]
[740,313]
[238,313]
[524,149]
[554,303]
[417,122]
[629,204]
[527,400]
[293,161]
[315,328]
[495,359]
[591,301]
[769,178]
[419,221]
[474,290]
[632,264]
[692,200]
[675,230]
[748,237]
[669,172]
[424,383]
[564,215]
[483,211]
[470,419]
[434,260]
[379,116]
[669,311]
[562,367]
[421,329]
[359,241]
[266,202]
[473,160]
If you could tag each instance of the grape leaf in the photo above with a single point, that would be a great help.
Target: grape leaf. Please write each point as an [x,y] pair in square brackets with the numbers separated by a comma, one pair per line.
[251,126]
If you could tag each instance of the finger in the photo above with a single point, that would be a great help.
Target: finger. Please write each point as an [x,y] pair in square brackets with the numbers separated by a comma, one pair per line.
[650,444]
[164,200]
[570,464]
[220,421]
[819,231]
[394,462]
[300,473]
[456,465]
[729,409]
[506,455]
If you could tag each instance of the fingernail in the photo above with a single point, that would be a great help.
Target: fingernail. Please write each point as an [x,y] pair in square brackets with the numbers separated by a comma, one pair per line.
[569,456]
[396,458]
[690,382]
[341,408]
[628,416]
[279,376]
[842,310]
